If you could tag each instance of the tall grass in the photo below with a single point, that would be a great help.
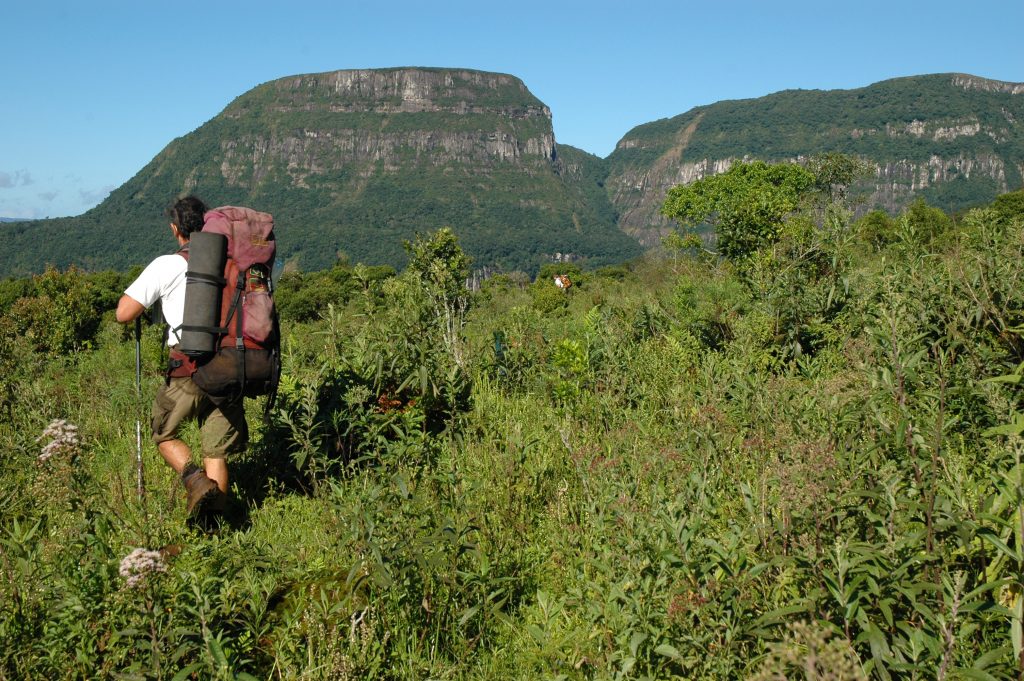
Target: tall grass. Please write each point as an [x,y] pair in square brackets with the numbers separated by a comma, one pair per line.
[667,471]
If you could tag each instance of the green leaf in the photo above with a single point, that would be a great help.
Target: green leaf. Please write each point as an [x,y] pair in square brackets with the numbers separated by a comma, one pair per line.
[883,605]
[1015,428]
[876,639]
[991,657]
[537,633]
[991,537]
[667,650]
[635,641]
[1016,626]
[468,615]
[1012,379]
[218,652]
[186,672]
[403,487]
[776,617]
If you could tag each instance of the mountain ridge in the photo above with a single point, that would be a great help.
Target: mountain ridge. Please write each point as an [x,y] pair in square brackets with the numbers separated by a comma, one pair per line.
[923,135]
[356,161]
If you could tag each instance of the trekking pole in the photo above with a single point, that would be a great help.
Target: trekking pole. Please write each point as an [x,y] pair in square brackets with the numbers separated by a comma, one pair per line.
[138,421]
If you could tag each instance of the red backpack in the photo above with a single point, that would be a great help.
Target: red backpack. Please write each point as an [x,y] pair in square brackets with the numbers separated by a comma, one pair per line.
[230,338]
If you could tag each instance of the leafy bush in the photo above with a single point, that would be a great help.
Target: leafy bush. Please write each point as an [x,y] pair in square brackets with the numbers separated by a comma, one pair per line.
[305,297]
[397,380]
[62,313]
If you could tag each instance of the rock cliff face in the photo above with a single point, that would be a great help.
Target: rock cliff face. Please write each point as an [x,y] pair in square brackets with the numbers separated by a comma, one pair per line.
[356,162]
[499,122]
[969,82]
[955,139]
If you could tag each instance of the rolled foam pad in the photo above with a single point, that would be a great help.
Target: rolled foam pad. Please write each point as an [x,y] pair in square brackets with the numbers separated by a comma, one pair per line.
[207,254]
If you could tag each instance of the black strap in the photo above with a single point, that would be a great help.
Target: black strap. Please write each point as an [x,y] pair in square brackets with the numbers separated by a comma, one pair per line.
[275,352]
[235,311]
[208,278]
[236,305]
[239,287]
[219,330]
[239,339]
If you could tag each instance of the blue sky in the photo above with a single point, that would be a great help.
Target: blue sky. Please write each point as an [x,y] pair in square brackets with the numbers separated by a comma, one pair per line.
[91,91]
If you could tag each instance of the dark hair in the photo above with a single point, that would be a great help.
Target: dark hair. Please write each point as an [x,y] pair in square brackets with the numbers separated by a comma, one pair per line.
[187,213]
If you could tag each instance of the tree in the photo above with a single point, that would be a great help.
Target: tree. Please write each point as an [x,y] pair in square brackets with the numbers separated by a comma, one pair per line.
[925,223]
[441,266]
[834,173]
[747,204]
[877,228]
[1010,207]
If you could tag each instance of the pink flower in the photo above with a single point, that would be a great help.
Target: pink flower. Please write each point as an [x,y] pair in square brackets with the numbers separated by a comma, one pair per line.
[139,563]
[63,437]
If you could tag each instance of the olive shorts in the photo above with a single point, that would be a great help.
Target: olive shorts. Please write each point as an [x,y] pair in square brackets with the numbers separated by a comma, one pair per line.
[222,427]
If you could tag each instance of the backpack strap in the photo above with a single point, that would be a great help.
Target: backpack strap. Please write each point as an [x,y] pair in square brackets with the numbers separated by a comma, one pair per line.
[183,252]
[275,351]
[235,312]
[239,333]
[209,278]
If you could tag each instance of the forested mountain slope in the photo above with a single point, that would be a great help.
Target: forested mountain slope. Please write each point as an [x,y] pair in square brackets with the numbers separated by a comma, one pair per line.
[355,162]
[955,139]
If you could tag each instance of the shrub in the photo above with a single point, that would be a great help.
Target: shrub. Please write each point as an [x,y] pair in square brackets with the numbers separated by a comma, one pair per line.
[63,313]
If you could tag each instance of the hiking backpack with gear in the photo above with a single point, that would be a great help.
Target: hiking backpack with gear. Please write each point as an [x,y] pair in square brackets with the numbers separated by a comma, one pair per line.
[230,338]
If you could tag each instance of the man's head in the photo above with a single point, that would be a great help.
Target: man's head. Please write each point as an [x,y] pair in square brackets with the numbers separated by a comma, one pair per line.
[186,216]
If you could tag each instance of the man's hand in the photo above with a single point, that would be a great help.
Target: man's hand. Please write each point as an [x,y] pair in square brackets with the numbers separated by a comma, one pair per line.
[128,309]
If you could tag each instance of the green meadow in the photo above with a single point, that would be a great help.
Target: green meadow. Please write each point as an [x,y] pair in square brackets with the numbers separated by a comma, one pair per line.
[793,453]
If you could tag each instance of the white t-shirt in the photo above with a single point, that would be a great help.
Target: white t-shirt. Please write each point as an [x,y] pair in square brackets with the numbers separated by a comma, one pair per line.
[164,280]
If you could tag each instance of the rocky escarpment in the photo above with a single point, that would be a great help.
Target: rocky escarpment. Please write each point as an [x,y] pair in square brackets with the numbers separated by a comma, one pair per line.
[356,162]
[396,118]
[969,82]
[955,139]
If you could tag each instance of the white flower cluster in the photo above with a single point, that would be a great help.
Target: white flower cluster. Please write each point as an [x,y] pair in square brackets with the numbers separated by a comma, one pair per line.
[63,439]
[139,563]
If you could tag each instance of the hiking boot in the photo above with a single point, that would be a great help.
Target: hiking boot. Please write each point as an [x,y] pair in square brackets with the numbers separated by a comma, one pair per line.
[200,491]
[217,503]
[209,517]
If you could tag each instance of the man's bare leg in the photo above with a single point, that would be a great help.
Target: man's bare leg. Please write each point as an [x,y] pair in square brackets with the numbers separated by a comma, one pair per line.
[176,453]
[217,470]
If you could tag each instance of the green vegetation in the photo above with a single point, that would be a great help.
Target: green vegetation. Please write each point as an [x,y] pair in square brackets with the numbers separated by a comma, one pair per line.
[787,124]
[800,461]
[454,88]
[748,203]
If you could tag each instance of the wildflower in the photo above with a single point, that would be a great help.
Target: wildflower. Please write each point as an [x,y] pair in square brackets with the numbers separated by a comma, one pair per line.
[63,437]
[139,563]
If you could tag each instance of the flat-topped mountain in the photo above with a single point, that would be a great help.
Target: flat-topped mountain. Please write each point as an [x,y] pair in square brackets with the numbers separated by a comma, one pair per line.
[355,162]
[957,140]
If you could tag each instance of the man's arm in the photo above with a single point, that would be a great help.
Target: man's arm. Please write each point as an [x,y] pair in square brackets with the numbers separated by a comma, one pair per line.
[128,309]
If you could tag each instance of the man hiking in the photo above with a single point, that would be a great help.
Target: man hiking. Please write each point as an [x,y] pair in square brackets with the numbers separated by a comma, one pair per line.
[222,426]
